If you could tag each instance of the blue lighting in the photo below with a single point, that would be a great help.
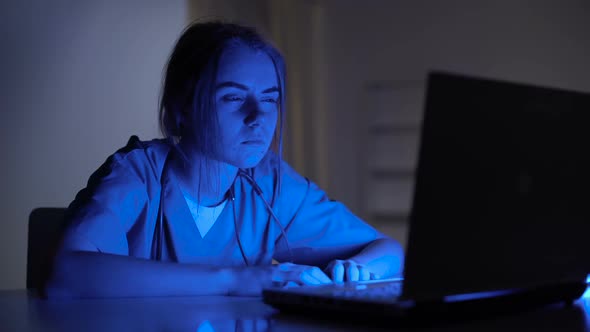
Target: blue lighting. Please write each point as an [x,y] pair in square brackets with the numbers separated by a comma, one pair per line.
[481,295]
[478,295]
[586,294]
[205,327]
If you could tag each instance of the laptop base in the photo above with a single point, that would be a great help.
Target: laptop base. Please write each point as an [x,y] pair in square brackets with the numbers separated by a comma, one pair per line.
[405,312]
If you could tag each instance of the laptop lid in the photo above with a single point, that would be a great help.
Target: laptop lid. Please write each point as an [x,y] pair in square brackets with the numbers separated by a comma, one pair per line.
[502,190]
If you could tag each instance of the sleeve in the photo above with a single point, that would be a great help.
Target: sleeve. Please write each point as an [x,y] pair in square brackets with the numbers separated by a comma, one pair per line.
[101,214]
[320,230]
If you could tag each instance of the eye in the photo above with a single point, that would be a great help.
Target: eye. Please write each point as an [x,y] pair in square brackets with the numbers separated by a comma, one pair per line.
[232,99]
[270,100]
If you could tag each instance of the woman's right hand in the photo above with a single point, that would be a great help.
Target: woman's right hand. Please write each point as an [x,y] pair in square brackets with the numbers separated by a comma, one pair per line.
[250,281]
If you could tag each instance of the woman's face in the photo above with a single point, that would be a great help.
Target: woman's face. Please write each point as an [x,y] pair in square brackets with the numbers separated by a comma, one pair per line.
[247,100]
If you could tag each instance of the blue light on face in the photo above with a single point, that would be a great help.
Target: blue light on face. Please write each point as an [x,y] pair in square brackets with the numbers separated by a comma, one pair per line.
[247,104]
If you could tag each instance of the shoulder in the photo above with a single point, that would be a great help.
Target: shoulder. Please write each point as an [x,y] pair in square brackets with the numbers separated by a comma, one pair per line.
[141,158]
[119,188]
[133,167]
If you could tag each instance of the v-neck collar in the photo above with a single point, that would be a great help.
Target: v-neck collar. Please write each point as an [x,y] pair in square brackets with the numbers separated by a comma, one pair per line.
[178,222]
[184,241]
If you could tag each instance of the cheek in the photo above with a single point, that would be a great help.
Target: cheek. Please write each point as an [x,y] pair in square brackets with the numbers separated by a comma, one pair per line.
[271,122]
[229,128]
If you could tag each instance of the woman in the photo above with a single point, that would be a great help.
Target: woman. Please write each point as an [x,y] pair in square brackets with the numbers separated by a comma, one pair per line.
[207,209]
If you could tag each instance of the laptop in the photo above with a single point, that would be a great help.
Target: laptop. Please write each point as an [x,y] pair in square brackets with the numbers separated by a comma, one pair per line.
[500,214]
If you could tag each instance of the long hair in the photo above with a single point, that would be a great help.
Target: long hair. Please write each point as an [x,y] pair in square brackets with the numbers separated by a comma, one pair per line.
[187,103]
[187,98]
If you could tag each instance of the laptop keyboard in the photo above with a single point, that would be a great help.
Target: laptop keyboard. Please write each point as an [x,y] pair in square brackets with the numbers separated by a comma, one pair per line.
[370,291]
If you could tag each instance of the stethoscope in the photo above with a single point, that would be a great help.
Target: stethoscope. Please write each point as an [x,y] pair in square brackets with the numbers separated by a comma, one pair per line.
[268,206]
[231,192]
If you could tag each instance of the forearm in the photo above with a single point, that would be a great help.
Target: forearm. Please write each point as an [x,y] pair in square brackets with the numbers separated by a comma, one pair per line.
[91,274]
[383,257]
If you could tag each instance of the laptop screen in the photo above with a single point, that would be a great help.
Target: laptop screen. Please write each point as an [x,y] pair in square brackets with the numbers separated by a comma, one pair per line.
[502,197]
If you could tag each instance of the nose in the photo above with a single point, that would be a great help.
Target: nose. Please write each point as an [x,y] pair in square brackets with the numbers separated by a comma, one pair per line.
[253,113]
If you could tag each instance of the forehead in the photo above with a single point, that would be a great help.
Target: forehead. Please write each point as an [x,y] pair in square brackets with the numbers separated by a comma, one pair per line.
[245,65]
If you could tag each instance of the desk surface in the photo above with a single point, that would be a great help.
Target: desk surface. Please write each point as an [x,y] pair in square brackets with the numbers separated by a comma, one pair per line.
[20,311]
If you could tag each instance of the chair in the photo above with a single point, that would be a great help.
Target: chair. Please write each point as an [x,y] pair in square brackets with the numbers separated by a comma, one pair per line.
[46,226]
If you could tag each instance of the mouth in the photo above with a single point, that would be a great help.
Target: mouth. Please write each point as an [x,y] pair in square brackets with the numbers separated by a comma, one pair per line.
[253,142]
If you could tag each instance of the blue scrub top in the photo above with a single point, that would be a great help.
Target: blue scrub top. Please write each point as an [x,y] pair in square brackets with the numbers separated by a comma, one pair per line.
[118,214]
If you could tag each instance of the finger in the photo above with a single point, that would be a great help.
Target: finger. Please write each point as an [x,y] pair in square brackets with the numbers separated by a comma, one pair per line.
[352,271]
[307,279]
[278,274]
[329,269]
[285,267]
[290,284]
[338,272]
[364,273]
[320,275]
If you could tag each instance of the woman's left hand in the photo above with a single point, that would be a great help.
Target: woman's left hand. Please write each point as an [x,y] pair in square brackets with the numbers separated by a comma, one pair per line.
[348,270]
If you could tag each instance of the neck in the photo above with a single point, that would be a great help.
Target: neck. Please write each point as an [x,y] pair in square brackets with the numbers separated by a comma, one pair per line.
[207,180]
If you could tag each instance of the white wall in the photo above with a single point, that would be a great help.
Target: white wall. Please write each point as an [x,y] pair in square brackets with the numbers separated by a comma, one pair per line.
[78,78]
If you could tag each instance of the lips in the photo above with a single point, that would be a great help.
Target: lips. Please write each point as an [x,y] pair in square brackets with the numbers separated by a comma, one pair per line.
[253,142]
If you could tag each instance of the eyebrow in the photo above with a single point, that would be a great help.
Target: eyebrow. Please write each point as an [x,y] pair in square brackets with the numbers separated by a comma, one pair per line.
[230,84]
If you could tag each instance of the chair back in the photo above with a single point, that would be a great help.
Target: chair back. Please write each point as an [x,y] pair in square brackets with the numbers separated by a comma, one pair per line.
[46,226]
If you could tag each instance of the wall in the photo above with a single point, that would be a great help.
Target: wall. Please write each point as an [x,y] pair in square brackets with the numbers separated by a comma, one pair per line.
[543,41]
[79,77]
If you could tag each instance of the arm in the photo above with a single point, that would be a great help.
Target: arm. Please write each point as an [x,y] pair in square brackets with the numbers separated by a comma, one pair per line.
[85,274]
[324,233]
[383,257]
[81,271]
[94,274]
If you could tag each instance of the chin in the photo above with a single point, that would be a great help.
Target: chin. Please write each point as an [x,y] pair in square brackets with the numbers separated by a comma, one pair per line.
[249,161]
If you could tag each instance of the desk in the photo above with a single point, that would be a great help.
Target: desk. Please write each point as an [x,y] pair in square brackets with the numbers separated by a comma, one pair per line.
[21,311]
